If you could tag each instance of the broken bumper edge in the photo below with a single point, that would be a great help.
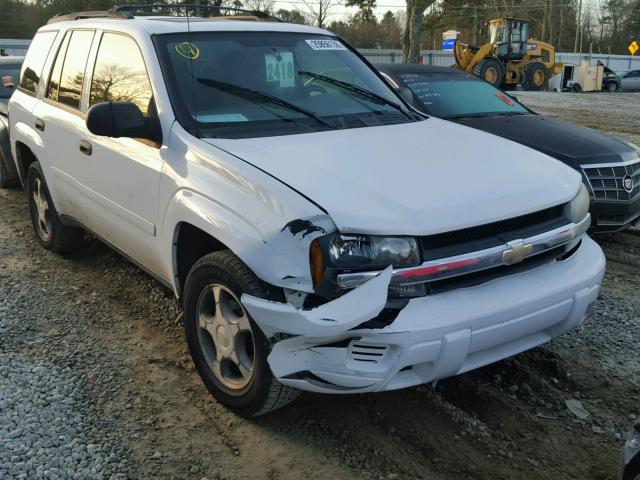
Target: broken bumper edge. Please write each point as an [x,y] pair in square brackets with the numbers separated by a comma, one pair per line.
[433,337]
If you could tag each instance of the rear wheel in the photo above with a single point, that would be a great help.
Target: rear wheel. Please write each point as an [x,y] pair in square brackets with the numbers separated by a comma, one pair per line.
[49,230]
[228,349]
[612,87]
[490,70]
[536,77]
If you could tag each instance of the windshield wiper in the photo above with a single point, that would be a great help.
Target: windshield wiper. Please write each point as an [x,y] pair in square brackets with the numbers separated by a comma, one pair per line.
[356,89]
[250,93]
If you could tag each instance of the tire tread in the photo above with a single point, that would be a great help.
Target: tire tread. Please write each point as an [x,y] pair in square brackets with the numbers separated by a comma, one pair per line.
[278,395]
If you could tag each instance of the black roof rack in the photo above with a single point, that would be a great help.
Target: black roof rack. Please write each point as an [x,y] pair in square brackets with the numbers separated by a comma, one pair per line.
[66,17]
[189,10]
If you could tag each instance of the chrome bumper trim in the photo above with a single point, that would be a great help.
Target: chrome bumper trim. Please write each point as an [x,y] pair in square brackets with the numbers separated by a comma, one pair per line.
[507,254]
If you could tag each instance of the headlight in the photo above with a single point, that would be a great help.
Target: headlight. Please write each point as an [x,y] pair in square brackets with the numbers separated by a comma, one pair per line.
[578,208]
[363,251]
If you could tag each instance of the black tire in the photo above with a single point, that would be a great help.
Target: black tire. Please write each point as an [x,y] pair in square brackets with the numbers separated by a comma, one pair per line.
[55,236]
[490,70]
[576,87]
[612,87]
[536,77]
[263,393]
[6,179]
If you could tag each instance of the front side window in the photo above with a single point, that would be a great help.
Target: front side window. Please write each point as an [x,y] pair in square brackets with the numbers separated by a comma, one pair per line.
[459,95]
[251,84]
[120,74]
[34,60]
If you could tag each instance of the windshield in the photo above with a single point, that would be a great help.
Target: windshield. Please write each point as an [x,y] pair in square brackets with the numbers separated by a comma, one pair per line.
[252,84]
[9,76]
[458,95]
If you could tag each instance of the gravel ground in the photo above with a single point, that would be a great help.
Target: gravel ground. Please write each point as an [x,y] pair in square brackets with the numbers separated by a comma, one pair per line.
[96,382]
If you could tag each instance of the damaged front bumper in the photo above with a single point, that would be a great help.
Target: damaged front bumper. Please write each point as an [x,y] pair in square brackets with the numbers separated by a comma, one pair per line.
[328,349]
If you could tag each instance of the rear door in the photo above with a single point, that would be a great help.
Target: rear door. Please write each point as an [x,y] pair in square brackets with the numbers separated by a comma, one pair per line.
[60,120]
[120,177]
[25,97]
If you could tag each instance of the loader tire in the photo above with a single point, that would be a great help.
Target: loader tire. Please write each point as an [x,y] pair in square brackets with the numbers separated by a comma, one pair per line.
[536,77]
[490,70]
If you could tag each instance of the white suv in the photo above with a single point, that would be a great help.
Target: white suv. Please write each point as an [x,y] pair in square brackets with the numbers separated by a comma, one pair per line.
[320,234]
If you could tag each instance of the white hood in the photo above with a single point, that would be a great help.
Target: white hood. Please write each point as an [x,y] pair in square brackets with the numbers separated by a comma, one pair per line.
[411,179]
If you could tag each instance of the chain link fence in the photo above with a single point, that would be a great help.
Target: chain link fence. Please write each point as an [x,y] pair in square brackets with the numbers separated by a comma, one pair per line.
[441,58]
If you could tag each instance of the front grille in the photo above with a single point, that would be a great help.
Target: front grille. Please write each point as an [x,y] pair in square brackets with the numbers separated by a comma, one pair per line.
[458,242]
[607,182]
[602,220]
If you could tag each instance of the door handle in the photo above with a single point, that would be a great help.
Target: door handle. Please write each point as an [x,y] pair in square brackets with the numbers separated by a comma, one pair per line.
[85,147]
[39,123]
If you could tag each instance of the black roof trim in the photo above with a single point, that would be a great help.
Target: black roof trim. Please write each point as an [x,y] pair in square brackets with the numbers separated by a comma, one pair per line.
[128,12]
[198,10]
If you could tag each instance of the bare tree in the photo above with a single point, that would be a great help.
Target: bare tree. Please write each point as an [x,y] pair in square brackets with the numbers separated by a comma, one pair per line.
[319,10]
[412,26]
[265,6]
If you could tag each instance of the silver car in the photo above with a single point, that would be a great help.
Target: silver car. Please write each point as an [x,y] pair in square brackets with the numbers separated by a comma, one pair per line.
[629,80]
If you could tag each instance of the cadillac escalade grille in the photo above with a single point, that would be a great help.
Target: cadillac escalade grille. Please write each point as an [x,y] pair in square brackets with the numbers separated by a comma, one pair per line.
[490,235]
[608,182]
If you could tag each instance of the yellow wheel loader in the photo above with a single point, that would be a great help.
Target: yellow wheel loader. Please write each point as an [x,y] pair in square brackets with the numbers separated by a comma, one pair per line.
[510,57]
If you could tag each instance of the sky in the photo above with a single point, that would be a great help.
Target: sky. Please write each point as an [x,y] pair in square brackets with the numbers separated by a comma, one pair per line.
[339,11]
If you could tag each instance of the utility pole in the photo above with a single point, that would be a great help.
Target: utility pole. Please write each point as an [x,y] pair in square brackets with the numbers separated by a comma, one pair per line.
[578,27]
[475,24]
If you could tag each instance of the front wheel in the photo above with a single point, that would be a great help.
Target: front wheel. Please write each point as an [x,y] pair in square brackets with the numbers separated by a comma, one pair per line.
[228,349]
[612,87]
[490,70]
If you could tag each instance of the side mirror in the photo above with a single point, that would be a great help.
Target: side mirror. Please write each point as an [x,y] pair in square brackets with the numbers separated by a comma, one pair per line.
[121,119]
[406,94]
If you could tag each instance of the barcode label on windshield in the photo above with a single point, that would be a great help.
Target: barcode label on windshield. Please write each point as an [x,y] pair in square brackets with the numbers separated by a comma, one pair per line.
[326,44]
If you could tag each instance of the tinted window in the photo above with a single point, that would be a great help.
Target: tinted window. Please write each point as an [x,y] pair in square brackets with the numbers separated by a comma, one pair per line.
[34,61]
[120,74]
[458,95]
[9,75]
[75,61]
[56,71]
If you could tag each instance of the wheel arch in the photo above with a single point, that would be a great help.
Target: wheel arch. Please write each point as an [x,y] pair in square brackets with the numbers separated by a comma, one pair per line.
[24,158]
[271,249]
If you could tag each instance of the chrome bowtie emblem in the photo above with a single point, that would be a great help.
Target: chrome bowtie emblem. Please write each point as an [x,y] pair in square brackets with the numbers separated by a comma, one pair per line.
[627,183]
[516,252]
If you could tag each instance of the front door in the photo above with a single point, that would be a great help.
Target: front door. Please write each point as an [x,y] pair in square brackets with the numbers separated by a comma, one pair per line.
[120,177]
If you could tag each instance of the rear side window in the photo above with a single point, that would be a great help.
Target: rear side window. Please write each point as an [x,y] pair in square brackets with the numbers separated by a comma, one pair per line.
[72,73]
[120,74]
[56,71]
[34,61]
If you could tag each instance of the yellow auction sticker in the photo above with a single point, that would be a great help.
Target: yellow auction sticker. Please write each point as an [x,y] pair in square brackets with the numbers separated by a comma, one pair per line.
[188,50]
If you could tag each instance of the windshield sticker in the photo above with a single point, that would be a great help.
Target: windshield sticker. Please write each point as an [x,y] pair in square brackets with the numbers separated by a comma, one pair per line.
[505,99]
[280,68]
[221,118]
[188,50]
[325,44]
[7,81]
